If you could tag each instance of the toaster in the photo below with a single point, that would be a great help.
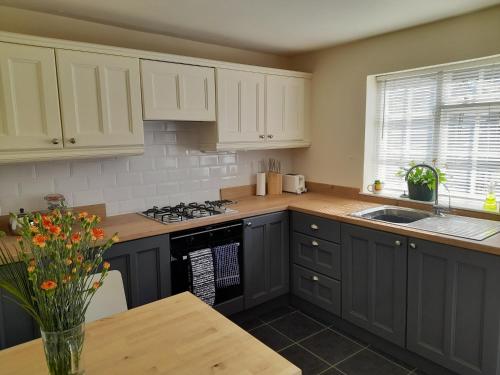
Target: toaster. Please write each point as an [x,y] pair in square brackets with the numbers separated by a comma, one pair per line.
[294,183]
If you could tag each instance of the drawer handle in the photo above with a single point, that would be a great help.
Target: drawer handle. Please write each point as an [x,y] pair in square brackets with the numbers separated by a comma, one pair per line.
[314,227]
[262,136]
[315,243]
[55,141]
[315,278]
[412,245]
[397,243]
[72,140]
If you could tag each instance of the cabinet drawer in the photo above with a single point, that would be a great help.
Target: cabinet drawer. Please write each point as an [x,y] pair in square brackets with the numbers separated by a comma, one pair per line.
[320,290]
[316,226]
[318,255]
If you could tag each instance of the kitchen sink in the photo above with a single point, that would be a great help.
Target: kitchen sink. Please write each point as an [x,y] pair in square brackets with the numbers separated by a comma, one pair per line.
[451,225]
[392,214]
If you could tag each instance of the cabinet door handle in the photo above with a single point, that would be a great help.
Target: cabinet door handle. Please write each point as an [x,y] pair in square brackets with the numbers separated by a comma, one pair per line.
[72,140]
[314,227]
[270,136]
[262,136]
[315,278]
[397,243]
[413,245]
[55,141]
[249,224]
[315,243]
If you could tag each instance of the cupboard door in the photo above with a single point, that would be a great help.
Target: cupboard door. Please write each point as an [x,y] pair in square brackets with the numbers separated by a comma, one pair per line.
[177,92]
[100,99]
[374,274]
[240,106]
[285,108]
[145,268]
[266,258]
[454,307]
[29,102]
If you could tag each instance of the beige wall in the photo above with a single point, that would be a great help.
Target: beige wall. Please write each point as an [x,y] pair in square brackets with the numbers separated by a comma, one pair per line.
[339,85]
[48,25]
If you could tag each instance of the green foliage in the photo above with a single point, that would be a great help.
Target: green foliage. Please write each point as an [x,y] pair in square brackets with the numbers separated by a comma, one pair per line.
[422,175]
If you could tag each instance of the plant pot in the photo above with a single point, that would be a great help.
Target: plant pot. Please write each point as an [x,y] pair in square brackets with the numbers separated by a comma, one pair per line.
[420,192]
[63,350]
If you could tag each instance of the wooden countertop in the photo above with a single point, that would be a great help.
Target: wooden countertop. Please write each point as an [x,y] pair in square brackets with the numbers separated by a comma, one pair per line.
[178,335]
[133,226]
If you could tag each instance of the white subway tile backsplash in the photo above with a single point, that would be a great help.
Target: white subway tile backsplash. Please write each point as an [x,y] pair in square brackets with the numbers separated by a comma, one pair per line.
[154,177]
[129,179]
[209,160]
[172,170]
[142,191]
[83,198]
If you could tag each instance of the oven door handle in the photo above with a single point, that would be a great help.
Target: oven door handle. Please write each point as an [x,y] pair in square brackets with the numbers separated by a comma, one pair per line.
[206,231]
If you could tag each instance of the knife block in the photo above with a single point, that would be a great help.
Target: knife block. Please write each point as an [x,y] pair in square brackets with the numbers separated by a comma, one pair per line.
[274,183]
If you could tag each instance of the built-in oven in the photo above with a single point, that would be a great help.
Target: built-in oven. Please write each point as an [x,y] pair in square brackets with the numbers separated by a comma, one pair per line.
[184,242]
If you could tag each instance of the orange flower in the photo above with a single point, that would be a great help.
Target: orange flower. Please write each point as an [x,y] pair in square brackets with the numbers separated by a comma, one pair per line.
[48,285]
[32,262]
[63,236]
[69,246]
[39,240]
[68,261]
[19,239]
[31,269]
[79,258]
[46,221]
[55,230]
[96,285]
[106,265]
[76,238]
[34,229]
[97,234]
[83,215]
[115,238]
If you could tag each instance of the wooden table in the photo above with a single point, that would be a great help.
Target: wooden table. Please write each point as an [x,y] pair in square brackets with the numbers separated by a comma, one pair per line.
[178,335]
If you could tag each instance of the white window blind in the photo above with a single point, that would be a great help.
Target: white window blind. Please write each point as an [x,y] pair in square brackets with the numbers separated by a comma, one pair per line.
[448,115]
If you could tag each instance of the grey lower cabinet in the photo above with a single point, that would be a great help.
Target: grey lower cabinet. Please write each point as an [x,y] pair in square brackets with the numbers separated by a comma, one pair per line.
[266,257]
[145,268]
[454,307]
[374,266]
[16,325]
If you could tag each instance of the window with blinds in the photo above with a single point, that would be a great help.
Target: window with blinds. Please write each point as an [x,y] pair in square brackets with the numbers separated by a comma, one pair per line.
[447,116]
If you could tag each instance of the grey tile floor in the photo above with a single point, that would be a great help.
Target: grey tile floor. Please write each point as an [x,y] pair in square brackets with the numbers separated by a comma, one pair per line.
[316,348]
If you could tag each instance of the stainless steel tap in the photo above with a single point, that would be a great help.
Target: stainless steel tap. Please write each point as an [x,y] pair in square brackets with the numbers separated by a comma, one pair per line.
[437,209]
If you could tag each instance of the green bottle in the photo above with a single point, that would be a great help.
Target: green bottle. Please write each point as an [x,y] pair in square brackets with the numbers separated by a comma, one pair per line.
[490,203]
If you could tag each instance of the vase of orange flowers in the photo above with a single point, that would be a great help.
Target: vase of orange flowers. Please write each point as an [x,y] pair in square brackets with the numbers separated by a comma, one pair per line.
[53,273]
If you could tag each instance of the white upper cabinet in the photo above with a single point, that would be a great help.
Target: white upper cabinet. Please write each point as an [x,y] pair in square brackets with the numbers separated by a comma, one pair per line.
[177,92]
[285,108]
[29,104]
[100,99]
[240,106]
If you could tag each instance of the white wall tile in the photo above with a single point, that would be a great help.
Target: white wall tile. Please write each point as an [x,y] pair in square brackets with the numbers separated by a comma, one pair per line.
[172,169]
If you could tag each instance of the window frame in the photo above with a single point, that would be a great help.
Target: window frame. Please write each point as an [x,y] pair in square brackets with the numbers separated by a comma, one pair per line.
[372,126]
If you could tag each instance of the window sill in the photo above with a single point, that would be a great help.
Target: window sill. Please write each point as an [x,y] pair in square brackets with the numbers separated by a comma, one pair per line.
[473,205]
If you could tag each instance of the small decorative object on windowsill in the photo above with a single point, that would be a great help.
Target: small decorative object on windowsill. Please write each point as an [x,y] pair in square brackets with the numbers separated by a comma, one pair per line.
[490,203]
[421,181]
[50,274]
[376,187]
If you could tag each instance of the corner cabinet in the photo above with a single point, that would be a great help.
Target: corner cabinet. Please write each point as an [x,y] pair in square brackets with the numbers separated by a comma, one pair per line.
[100,100]
[177,92]
[258,111]
[374,271]
[454,307]
[266,258]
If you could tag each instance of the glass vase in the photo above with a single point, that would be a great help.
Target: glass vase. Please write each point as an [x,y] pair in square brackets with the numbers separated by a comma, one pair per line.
[63,350]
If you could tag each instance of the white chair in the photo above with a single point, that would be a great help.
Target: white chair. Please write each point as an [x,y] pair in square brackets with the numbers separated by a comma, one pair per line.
[109,299]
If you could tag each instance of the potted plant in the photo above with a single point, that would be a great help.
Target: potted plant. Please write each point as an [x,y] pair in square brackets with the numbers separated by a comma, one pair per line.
[53,272]
[421,181]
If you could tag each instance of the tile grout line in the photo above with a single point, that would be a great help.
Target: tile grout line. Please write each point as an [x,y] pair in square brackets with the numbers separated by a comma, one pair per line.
[347,337]
[393,362]
[350,356]
[314,354]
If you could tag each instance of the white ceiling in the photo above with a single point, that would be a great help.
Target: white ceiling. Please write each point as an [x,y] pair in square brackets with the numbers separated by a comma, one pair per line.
[277,26]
